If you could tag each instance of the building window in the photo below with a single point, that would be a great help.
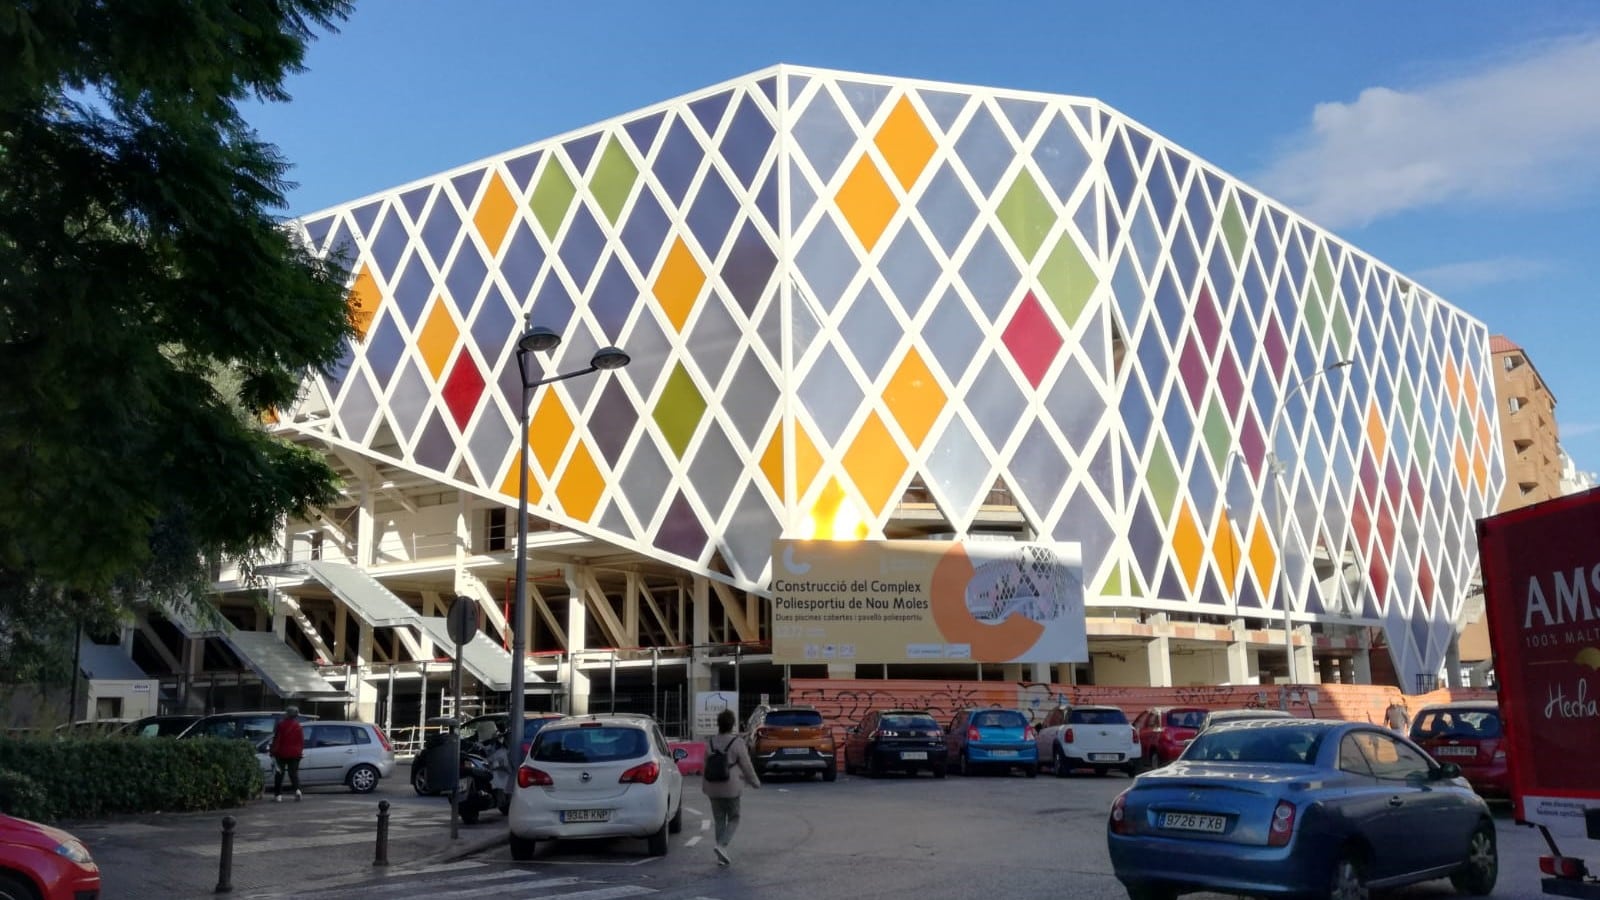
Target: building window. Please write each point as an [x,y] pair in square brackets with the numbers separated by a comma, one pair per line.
[1514,403]
[495,530]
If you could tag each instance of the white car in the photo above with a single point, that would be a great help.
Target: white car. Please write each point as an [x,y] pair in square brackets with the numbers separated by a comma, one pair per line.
[355,754]
[598,776]
[1085,737]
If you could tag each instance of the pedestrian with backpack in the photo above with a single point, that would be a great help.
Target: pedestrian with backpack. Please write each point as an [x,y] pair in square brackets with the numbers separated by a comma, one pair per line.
[728,770]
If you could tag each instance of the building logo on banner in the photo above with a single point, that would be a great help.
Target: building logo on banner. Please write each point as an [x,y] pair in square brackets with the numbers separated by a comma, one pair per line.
[913,601]
[708,704]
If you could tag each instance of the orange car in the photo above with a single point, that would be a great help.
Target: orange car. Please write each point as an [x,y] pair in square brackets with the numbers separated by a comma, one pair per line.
[791,738]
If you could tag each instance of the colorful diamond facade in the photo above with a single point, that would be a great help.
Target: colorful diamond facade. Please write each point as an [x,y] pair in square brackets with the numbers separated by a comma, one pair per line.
[833,285]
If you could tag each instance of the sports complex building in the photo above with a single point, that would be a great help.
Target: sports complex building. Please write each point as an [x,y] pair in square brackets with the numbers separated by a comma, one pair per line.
[858,307]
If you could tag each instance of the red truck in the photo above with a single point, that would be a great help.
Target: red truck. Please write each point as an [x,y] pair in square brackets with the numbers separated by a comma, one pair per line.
[1541,580]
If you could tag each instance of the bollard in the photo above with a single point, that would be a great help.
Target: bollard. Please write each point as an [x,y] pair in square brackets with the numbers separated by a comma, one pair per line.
[225,868]
[382,856]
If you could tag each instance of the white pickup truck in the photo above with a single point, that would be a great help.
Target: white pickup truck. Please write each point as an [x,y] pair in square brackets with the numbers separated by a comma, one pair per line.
[1088,737]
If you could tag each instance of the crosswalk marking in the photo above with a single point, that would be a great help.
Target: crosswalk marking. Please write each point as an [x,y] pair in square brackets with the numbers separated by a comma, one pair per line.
[456,881]
[513,883]
[610,893]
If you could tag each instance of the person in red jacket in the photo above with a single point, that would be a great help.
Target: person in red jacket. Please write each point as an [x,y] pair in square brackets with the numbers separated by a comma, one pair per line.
[288,745]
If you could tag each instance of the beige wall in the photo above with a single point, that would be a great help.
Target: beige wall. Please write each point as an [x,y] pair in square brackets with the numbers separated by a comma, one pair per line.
[1528,435]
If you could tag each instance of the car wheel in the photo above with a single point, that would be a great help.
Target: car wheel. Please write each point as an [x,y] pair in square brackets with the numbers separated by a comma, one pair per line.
[12,889]
[831,772]
[522,848]
[1478,873]
[658,841]
[1131,769]
[963,765]
[363,779]
[1059,766]
[469,815]
[1032,771]
[938,771]
[1349,882]
[419,778]
[874,768]
[1143,890]
[1101,771]
[675,824]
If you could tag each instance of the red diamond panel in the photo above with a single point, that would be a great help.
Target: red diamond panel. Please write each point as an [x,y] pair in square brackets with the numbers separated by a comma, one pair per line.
[1193,366]
[1206,320]
[1032,339]
[462,388]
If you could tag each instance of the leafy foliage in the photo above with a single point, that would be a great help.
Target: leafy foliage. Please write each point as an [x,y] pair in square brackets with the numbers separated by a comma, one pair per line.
[152,308]
[86,778]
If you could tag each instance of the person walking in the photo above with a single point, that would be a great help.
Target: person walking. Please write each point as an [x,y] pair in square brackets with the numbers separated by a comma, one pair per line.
[728,770]
[288,745]
[1396,719]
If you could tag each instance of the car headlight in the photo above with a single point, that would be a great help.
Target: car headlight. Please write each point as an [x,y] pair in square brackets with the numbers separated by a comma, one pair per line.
[76,852]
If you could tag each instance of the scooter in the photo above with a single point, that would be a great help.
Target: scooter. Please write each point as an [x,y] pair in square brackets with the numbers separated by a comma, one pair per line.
[500,772]
[475,787]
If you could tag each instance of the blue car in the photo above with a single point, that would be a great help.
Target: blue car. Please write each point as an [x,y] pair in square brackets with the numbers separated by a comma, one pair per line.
[1300,807]
[999,739]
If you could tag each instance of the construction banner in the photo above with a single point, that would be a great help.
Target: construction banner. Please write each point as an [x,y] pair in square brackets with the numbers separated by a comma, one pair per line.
[926,601]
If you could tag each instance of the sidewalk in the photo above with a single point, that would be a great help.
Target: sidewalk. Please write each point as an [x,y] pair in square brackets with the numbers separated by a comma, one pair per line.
[328,838]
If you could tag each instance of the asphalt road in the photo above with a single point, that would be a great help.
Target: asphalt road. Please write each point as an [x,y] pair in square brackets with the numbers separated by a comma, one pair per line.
[893,838]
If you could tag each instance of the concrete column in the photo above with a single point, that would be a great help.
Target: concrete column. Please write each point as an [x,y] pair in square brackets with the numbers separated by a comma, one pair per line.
[280,612]
[1040,674]
[1238,653]
[1327,670]
[1064,674]
[1158,653]
[1361,660]
[1452,663]
[366,692]
[341,620]
[577,626]
[1011,672]
[843,671]
[700,676]
[1305,663]
[367,527]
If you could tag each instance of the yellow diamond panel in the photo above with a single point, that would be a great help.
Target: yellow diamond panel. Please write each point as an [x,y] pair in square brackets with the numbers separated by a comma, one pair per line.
[1225,550]
[914,398]
[876,465]
[580,485]
[1377,437]
[549,431]
[905,143]
[807,461]
[438,338]
[867,202]
[495,214]
[509,486]
[772,461]
[678,286]
[835,517]
[1463,465]
[1188,545]
[1263,559]
[363,301]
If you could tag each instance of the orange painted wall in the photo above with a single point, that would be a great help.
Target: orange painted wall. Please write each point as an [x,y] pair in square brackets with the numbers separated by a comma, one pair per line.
[843,702]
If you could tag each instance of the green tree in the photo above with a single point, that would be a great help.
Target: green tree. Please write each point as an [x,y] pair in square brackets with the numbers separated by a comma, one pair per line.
[153,308]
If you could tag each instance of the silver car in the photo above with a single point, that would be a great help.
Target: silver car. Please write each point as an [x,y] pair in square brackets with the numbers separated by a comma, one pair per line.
[354,754]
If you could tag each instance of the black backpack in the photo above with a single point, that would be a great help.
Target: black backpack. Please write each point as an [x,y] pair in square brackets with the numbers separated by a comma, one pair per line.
[717,761]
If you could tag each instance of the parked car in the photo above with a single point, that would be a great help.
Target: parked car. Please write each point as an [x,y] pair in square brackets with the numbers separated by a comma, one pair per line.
[477,730]
[355,754]
[598,776]
[1001,739]
[251,726]
[158,726]
[37,861]
[1469,735]
[1165,730]
[907,740]
[1088,737]
[791,738]
[1218,716]
[86,728]
[1304,807]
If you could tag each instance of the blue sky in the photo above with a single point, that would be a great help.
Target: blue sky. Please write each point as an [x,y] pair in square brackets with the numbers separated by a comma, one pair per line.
[1456,141]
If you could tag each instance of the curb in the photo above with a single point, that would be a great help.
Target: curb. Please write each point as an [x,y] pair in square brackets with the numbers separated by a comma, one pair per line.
[458,852]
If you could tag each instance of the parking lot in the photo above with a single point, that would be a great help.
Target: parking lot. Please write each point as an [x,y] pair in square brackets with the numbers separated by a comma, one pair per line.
[897,837]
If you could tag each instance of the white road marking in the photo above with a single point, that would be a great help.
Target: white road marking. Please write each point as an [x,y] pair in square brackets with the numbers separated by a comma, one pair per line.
[478,891]
[693,810]
[692,841]
[449,867]
[621,890]
[705,824]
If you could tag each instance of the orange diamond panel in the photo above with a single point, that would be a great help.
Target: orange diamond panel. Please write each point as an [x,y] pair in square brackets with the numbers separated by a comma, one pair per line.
[1189,545]
[905,143]
[914,397]
[876,465]
[581,484]
[549,431]
[363,301]
[438,338]
[678,286]
[867,202]
[495,214]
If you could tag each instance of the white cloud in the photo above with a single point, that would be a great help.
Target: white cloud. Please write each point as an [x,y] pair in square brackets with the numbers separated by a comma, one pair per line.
[1477,273]
[1579,429]
[1520,128]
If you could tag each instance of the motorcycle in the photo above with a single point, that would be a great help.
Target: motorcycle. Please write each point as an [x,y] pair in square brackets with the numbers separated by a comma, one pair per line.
[475,790]
[500,772]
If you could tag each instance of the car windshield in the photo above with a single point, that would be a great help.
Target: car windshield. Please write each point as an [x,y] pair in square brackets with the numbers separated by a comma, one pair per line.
[1004,718]
[589,744]
[1457,723]
[793,718]
[1096,717]
[1256,745]
[908,723]
[1185,718]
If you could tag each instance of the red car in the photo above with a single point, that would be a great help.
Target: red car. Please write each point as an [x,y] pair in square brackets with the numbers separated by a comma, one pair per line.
[1165,730]
[1467,734]
[40,861]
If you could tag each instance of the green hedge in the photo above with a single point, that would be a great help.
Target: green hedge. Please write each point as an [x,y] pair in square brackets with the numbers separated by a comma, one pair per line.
[86,778]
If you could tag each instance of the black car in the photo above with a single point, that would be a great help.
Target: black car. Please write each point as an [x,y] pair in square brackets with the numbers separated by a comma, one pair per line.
[906,740]
[251,726]
[474,732]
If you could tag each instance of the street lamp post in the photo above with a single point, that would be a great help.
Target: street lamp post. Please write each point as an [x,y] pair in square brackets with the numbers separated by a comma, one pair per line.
[534,339]
[1275,466]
